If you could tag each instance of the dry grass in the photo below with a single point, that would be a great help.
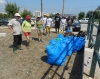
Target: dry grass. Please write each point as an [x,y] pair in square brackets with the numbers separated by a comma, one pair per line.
[29,63]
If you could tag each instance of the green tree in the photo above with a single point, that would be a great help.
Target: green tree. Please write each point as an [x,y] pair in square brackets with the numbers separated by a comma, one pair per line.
[81,15]
[97,14]
[25,13]
[3,15]
[89,14]
[53,15]
[11,8]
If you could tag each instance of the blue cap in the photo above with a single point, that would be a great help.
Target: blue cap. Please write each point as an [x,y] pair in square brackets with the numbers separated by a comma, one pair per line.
[68,30]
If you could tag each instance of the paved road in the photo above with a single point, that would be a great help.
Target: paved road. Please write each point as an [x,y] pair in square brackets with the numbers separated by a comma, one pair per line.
[84,27]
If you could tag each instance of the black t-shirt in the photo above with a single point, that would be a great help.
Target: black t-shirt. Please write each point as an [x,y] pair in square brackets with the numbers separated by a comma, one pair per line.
[57,19]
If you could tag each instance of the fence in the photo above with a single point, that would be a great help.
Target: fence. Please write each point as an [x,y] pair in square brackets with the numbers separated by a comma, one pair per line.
[94,43]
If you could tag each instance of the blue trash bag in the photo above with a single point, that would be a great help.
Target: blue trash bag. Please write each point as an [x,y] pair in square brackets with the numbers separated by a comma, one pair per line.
[79,42]
[69,42]
[56,53]
[60,36]
[68,31]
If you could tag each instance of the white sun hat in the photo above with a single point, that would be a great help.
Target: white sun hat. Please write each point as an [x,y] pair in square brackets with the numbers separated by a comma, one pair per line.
[17,14]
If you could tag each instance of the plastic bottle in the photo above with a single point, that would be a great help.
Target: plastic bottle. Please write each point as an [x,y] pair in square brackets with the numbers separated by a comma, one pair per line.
[89,61]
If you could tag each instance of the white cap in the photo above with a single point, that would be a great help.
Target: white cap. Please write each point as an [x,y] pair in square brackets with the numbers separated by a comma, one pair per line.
[17,14]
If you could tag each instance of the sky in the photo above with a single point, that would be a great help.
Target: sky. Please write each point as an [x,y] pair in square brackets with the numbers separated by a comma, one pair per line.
[52,6]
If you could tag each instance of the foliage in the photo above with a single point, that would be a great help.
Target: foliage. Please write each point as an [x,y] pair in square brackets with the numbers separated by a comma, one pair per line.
[89,14]
[81,15]
[97,14]
[3,15]
[52,15]
[25,13]
[96,20]
[11,8]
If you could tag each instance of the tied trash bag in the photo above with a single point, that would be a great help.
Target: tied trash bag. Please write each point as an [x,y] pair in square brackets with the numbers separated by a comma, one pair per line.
[59,38]
[79,42]
[69,43]
[56,53]
[61,46]
[58,49]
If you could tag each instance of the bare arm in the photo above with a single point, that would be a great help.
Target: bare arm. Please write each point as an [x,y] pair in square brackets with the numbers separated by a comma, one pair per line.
[11,29]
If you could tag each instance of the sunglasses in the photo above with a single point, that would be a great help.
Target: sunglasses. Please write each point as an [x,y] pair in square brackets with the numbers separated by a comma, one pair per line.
[18,16]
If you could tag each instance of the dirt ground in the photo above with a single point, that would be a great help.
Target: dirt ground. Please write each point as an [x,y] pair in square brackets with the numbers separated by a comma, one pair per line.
[29,63]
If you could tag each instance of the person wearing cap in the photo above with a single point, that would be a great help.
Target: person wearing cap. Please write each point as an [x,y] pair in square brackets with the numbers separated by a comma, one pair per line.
[63,23]
[57,22]
[39,26]
[26,28]
[44,23]
[15,27]
[48,24]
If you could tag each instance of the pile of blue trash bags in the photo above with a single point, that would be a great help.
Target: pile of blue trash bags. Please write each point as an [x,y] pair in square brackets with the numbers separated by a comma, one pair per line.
[60,47]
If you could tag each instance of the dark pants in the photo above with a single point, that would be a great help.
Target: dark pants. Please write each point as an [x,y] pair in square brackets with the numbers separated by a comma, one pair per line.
[17,40]
[57,26]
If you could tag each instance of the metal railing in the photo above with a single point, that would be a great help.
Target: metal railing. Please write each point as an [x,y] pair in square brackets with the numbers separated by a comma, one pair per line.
[94,43]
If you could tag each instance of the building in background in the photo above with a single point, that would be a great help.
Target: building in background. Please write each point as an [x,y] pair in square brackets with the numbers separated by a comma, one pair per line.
[72,15]
[37,13]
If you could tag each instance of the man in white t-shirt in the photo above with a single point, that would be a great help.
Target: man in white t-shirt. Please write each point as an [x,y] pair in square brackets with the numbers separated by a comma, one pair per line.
[44,23]
[48,24]
[63,23]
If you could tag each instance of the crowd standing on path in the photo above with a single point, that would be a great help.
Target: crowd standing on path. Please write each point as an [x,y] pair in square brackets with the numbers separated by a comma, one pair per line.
[43,26]
[15,27]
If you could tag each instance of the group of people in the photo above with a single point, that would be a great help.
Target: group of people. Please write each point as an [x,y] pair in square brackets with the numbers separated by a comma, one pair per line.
[62,24]
[43,26]
[17,28]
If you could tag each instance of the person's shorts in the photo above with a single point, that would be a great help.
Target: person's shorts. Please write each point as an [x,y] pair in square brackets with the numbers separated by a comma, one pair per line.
[27,33]
[40,30]
[48,28]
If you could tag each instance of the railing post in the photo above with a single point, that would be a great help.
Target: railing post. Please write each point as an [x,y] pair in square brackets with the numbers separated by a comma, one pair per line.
[88,27]
[91,29]
[96,47]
